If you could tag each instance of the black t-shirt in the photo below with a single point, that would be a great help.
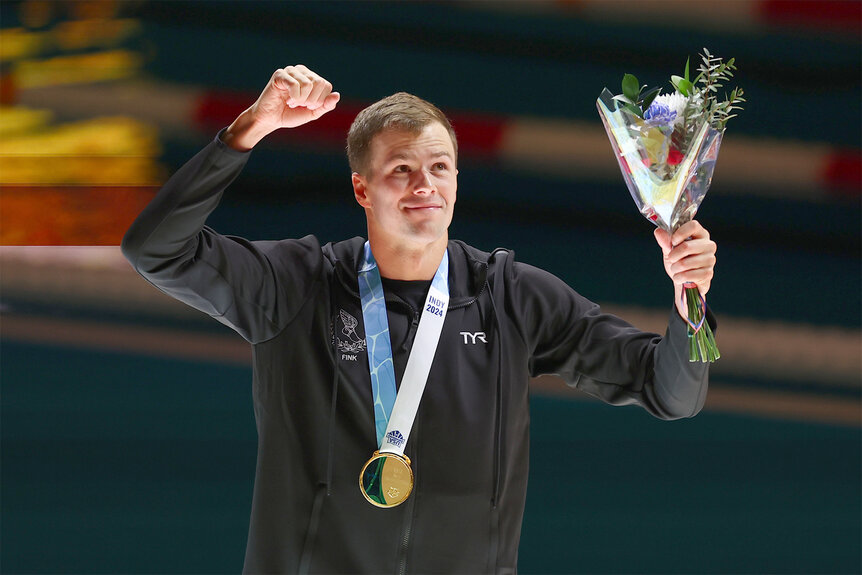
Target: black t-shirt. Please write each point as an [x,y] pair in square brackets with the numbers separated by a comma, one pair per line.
[411,291]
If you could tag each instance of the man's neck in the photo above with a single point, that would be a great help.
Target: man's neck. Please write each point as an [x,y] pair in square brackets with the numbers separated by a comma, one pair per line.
[408,262]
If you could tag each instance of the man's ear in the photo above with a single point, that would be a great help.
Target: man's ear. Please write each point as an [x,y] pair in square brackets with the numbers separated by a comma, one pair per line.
[360,190]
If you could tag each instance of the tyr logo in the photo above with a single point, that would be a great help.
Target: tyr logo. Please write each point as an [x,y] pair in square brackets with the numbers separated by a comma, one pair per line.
[472,337]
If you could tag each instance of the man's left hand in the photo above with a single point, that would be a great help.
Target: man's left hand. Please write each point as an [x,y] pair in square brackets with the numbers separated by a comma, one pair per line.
[689,257]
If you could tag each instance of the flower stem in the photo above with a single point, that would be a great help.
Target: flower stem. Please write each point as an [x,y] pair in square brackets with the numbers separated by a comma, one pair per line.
[702,346]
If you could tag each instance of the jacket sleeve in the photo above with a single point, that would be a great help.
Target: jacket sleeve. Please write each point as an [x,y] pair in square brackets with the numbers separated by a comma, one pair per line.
[234,280]
[601,354]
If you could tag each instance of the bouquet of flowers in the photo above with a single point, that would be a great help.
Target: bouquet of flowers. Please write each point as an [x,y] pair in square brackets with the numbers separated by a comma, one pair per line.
[666,146]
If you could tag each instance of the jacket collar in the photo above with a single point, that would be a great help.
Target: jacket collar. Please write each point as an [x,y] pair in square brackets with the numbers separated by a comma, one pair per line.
[468,268]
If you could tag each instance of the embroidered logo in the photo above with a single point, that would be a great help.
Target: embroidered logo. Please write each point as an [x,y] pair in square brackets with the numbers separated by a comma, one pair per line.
[395,438]
[351,343]
[473,337]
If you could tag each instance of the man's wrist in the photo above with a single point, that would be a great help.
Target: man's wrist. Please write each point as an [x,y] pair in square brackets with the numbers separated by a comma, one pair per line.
[244,133]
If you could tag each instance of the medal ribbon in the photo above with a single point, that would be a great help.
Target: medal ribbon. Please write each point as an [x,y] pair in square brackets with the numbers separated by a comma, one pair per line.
[394,412]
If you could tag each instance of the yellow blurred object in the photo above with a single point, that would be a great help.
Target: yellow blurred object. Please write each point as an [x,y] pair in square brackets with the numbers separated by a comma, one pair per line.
[99,151]
[118,136]
[77,183]
[15,120]
[18,43]
[83,68]
[81,170]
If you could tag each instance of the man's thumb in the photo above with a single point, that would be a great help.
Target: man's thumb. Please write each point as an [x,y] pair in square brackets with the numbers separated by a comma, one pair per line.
[663,239]
[328,104]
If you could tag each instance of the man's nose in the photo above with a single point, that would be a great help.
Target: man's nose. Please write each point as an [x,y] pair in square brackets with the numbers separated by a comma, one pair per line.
[424,183]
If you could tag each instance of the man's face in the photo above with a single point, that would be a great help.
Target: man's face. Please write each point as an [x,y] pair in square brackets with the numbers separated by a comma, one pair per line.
[410,187]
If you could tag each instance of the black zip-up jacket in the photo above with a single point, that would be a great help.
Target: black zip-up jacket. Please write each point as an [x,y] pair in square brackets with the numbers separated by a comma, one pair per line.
[298,304]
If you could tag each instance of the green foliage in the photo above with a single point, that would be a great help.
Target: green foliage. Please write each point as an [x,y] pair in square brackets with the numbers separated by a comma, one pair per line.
[714,73]
[631,88]
[633,98]
[701,92]
[683,84]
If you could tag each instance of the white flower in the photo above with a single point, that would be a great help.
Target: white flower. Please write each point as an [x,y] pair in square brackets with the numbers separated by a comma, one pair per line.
[675,103]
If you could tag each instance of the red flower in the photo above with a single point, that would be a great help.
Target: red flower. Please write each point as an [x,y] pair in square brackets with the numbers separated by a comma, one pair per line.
[674,157]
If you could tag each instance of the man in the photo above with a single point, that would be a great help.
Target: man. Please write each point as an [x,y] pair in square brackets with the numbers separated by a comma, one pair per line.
[318,363]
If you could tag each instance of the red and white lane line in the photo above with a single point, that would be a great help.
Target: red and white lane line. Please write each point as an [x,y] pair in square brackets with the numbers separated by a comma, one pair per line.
[576,150]
[580,150]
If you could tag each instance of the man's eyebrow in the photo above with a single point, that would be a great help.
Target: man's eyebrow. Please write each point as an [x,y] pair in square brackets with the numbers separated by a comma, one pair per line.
[397,156]
[406,156]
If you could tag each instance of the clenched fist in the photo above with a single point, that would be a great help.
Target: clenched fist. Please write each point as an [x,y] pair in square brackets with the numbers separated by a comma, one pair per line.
[293,96]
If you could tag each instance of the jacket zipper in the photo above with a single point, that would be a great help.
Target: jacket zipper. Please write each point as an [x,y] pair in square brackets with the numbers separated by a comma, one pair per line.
[408,521]
[405,539]
[471,300]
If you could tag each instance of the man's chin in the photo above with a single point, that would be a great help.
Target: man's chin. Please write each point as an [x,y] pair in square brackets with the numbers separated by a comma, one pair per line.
[427,235]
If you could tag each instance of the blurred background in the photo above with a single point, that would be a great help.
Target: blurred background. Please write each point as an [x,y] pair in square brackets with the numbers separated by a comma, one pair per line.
[128,438]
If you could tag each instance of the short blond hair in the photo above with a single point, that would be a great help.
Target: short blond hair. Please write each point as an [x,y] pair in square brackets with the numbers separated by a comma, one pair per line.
[401,111]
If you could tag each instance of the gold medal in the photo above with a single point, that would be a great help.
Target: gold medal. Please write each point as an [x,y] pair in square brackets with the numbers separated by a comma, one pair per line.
[386,479]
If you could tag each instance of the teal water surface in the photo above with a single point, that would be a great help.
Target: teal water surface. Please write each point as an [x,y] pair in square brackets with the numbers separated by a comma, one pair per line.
[124,463]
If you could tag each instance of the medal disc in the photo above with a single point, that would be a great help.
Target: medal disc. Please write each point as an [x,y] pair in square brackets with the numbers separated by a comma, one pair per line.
[386,479]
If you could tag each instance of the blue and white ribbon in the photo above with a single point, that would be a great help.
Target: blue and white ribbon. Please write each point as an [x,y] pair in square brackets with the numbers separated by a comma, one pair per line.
[394,412]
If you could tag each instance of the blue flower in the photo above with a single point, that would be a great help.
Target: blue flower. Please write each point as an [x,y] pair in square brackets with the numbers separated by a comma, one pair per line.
[659,115]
